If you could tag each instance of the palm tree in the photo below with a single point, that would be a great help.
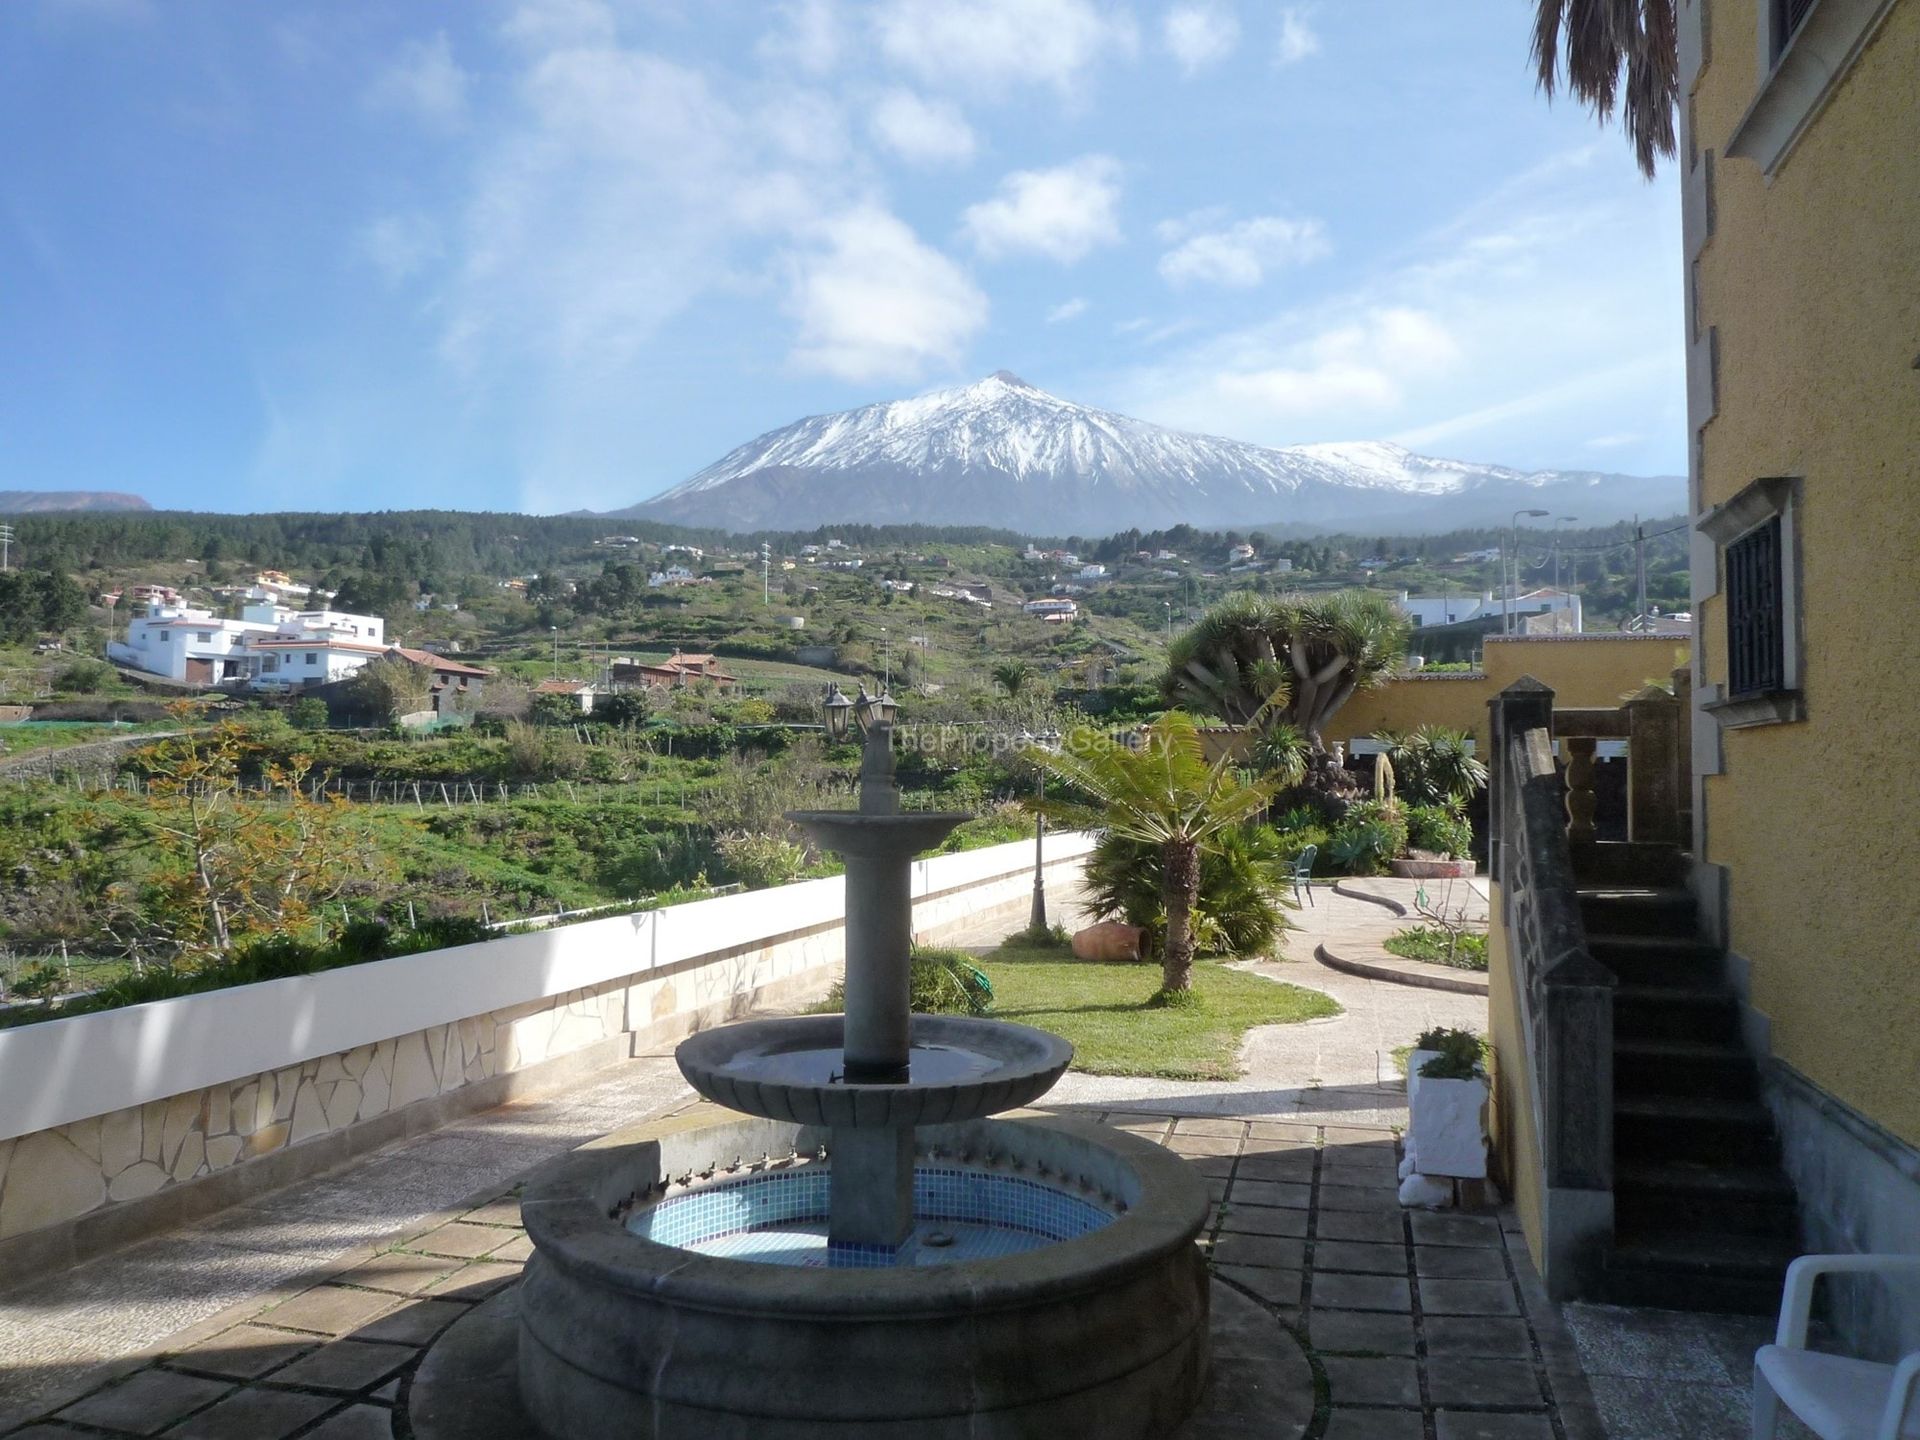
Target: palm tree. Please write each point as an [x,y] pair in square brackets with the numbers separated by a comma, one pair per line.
[1602,39]
[1164,794]
[1435,765]
[1011,676]
[1311,652]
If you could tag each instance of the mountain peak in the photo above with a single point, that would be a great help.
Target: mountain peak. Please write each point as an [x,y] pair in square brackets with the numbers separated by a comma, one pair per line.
[1002,451]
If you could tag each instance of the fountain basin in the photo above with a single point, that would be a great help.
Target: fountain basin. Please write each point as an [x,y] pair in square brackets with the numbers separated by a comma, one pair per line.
[792,1069]
[1102,1334]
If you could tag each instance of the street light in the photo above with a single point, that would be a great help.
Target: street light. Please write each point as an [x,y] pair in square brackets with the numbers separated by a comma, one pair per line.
[1511,550]
[1049,741]
[556,650]
[873,714]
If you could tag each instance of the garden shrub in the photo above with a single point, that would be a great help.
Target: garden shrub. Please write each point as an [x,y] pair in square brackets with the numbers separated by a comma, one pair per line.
[1439,830]
[1432,944]
[940,982]
[758,861]
[1242,880]
[1371,834]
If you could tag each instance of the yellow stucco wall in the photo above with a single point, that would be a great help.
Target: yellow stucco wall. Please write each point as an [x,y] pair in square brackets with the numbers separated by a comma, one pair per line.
[1812,281]
[1516,1142]
[1584,671]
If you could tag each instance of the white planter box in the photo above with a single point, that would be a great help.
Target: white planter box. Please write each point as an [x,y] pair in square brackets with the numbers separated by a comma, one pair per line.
[1414,1062]
[1448,1130]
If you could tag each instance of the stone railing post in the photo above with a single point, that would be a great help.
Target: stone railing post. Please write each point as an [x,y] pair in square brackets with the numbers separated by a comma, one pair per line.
[1581,801]
[1683,751]
[1524,705]
[1653,768]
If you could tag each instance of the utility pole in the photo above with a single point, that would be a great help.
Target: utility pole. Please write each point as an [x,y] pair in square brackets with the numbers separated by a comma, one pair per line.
[1640,565]
[556,651]
[766,573]
[6,545]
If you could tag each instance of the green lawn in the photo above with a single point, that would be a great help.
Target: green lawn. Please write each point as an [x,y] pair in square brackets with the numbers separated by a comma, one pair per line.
[1103,1010]
[1432,945]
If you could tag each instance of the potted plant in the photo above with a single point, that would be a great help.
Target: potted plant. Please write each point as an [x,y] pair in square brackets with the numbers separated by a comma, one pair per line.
[1447,1094]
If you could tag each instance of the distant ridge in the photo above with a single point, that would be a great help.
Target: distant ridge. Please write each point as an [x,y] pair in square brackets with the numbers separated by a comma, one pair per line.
[42,502]
[1003,452]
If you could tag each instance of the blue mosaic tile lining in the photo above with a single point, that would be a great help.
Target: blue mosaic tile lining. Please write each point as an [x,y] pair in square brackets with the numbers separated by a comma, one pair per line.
[780,1219]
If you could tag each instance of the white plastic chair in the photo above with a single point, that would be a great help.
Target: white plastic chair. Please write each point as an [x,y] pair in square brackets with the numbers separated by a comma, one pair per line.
[1835,1396]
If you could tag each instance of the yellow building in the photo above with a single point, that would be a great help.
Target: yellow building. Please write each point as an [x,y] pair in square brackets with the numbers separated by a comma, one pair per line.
[1800,156]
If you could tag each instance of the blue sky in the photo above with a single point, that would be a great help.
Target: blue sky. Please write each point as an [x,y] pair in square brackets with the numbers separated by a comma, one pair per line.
[550,254]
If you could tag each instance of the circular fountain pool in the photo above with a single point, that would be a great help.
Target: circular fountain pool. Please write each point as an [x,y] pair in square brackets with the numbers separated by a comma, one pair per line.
[960,1213]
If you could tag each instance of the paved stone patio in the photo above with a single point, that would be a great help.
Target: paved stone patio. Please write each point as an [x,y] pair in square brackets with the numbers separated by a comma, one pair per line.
[1416,1325]
[307,1312]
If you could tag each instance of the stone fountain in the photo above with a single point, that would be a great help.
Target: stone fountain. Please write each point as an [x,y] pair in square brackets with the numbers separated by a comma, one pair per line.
[869,1255]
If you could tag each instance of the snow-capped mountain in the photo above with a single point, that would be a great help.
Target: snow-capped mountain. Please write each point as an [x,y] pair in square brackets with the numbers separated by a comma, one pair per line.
[1002,452]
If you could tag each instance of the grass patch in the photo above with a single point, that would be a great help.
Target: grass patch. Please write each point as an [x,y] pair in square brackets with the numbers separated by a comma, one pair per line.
[1108,1012]
[1430,944]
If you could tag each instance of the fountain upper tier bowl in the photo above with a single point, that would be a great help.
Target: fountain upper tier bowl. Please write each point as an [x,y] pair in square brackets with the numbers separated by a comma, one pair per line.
[792,1069]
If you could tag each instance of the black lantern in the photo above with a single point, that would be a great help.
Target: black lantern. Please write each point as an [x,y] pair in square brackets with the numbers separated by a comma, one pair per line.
[838,710]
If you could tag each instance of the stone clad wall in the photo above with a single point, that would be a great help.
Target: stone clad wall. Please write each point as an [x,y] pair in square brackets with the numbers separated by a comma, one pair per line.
[71,1189]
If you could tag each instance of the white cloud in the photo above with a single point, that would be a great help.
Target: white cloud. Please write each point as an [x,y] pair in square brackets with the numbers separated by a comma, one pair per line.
[922,131]
[400,246]
[425,81]
[1298,38]
[541,25]
[807,35]
[1067,310]
[1242,254]
[1364,363]
[1061,213]
[1201,32]
[873,302]
[993,45]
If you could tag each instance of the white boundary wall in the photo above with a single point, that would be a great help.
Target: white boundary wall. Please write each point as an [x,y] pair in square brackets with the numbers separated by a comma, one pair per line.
[116,1106]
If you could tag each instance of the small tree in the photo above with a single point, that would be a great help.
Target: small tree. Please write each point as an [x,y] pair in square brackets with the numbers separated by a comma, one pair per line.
[1165,794]
[1012,677]
[392,686]
[1319,651]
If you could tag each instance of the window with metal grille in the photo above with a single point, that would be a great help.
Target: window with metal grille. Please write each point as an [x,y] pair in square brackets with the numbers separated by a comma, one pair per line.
[1756,647]
[1788,17]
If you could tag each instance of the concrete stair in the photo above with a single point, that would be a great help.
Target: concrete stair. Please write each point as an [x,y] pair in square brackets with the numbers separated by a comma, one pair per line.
[1704,1217]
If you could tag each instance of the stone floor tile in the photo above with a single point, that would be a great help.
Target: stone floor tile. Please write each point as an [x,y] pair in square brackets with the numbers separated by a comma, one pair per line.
[1334,1291]
[1192,1145]
[328,1309]
[1645,1345]
[389,1392]
[1252,1220]
[1361,1381]
[1292,1169]
[1430,1228]
[517,1250]
[504,1211]
[1219,1128]
[255,1414]
[45,1432]
[145,1402]
[1361,1332]
[399,1272]
[1270,1192]
[1214,1167]
[1468,1297]
[1476,1380]
[356,1422]
[461,1240]
[243,1352]
[1360,1255]
[346,1365]
[1458,1262]
[1375,1425]
[1465,1425]
[1477,1335]
[415,1323]
[477,1281]
[1377,1198]
[1359,1225]
[1276,1287]
[1364,1159]
[1272,1251]
[1284,1130]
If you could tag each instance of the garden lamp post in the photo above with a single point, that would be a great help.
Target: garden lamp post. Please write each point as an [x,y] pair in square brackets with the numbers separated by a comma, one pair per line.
[1048,740]
[873,716]
[1511,554]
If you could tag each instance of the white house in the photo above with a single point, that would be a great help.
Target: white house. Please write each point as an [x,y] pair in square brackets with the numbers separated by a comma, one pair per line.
[1093,572]
[1054,611]
[1426,610]
[270,647]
